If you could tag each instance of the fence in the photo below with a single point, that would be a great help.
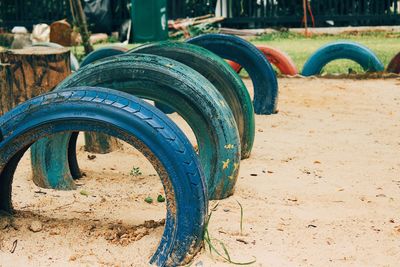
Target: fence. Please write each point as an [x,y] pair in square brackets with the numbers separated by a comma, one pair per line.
[263,13]
[29,12]
[239,13]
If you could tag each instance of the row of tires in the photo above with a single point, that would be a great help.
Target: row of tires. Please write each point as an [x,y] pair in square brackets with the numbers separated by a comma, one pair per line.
[282,61]
[101,96]
[192,79]
[323,56]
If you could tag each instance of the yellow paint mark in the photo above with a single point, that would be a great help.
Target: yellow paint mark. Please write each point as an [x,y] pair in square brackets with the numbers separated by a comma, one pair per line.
[235,166]
[229,146]
[222,103]
[225,164]
[230,177]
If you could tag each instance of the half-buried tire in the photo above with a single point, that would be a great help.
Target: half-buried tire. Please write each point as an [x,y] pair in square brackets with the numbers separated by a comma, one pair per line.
[394,65]
[247,55]
[171,83]
[218,72]
[279,59]
[103,52]
[134,121]
[342,50]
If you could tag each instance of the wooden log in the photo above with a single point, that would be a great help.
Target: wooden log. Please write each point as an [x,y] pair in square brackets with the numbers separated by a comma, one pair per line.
[61,33]
[5,85]
[29,72]
[26,73]
[100,143]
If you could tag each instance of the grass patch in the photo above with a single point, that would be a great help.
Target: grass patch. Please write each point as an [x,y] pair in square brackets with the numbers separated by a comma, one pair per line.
[385,44]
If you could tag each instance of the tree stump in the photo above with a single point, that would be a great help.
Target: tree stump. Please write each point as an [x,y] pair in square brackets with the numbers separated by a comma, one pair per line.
[29,72]
[60,33]
[99,143]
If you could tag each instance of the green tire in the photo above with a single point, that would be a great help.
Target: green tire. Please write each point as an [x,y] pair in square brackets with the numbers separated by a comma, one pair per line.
[221,75]
[173,84]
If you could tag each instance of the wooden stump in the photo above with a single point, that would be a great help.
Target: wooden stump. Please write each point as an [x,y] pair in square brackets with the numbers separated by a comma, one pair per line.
[99,143]
[5,84]
[26,73]
[60,33]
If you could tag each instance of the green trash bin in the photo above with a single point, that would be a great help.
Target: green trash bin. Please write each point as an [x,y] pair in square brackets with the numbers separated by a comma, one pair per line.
[149,20]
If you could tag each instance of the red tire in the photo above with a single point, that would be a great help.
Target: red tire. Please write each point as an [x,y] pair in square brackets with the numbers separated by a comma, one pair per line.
[394,65]
[278,58]
[235,66]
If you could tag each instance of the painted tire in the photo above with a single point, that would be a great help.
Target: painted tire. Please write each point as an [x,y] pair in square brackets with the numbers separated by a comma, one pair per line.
[103,140]
[171,83]
[342,50]
[134,121]
[225,80]
[74,61]
[394,65]
[247,55]
[276,57]
[103,52]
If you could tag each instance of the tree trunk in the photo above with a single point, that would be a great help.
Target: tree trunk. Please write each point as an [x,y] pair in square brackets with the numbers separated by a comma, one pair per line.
[29,72]
[100,143]
[81,22]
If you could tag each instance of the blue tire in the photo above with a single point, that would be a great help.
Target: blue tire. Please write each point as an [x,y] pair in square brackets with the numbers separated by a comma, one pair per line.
[253,61]
[220,74]
[169,82]
[101,53]
[342,50]
[137,123]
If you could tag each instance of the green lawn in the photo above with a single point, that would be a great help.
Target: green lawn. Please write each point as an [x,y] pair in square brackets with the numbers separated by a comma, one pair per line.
[299,48]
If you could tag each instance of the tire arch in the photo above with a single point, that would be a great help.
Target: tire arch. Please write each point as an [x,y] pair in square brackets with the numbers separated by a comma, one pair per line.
[133,121]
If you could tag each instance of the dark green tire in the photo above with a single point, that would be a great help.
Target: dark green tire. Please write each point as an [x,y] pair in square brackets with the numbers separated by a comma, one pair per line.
[173,84]
[221,75]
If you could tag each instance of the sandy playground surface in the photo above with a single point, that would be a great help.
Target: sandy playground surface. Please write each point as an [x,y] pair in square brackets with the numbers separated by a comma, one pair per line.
[322,188]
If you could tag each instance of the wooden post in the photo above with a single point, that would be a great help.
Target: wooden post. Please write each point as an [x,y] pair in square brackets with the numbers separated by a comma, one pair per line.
[100,143]
[305,17]
[29,72]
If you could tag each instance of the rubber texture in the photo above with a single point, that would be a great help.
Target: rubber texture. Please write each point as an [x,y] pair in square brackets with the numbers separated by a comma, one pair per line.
[247,55]
[218,72]
[171,83]
[74,61]
[134,121]
[103,52]
[342,50]
[276,57]
[394,65]
[102,145]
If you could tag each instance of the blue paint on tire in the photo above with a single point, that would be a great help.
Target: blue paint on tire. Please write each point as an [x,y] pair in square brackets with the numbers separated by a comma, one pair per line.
[158,79]
[342,50]
[134,121]
[253,61]
[101,53]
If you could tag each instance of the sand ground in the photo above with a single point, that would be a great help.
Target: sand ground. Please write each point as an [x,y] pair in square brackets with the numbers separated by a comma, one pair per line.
[322,188]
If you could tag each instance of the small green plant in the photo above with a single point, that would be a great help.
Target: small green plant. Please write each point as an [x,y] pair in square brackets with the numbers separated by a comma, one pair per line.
[135,171]
[241,217]
[226,256]
[148,200]
[160,199]
[84,193]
